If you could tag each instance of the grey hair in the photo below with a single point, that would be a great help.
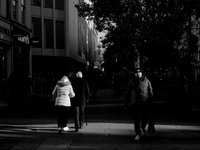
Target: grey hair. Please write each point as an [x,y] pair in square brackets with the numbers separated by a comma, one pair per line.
[79,74]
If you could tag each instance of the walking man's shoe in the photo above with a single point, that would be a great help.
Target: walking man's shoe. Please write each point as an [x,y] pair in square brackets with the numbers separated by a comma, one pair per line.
[151,128]
[143,132]
[137,137]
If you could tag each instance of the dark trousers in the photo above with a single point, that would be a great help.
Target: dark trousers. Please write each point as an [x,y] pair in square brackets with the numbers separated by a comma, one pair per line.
[79,116]
[62,116]
[140,114]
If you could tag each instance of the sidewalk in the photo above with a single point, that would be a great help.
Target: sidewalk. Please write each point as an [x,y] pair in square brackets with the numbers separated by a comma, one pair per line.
[109,127]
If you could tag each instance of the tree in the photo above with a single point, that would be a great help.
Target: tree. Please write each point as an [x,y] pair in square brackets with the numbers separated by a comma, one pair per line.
[145,28]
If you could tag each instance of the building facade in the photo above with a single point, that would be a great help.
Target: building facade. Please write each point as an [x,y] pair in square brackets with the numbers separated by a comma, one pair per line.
[43,38]
[15,31]
[67,42]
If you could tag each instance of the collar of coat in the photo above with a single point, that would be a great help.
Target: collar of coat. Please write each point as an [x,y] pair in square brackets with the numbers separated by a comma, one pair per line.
[61,83]
[140,79]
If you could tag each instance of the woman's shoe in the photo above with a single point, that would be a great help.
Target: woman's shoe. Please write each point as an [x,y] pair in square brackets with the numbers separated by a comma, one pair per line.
[65,128]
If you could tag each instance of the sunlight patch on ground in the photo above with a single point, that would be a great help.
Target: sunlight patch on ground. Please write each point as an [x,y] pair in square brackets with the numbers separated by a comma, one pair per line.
[93,128]
[178,127]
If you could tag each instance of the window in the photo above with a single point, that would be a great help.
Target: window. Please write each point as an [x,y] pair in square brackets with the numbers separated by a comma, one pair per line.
[48,33]
[7,9]
[23,8]
[15,9]
[60,36]
[48,3]
[37,29]
[59,4]
[36,2]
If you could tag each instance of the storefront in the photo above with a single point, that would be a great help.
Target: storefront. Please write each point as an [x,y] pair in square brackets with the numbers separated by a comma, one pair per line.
[5,46]
[21,50]
[14,52]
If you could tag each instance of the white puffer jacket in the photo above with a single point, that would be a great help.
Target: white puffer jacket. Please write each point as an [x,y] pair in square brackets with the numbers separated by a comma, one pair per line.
[64,93]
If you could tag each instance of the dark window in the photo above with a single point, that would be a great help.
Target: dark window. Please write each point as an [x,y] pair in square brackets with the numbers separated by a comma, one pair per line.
[60,36]
[36,2]
[48,33]
[15,9]
[23,8]
[48,3]
[37,29]
[8,9]
[59,4]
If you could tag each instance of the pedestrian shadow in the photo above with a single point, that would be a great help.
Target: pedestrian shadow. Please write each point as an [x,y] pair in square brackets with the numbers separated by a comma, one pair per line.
[13,127]
[21,128]
[44,129]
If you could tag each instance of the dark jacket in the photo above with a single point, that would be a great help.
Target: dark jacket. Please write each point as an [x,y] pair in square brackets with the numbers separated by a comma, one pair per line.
[138,91]
[81,88]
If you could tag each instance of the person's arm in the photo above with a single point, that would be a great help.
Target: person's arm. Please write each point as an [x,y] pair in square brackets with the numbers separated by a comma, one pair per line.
[54,94]
[71,94]
[150,90]
[54,90]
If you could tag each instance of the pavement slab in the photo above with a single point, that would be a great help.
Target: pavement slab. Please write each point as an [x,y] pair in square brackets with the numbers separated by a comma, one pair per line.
[109,127]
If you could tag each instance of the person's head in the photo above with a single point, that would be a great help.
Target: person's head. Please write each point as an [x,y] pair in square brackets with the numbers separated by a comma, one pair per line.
[138,73]
[79,74]
[64,79]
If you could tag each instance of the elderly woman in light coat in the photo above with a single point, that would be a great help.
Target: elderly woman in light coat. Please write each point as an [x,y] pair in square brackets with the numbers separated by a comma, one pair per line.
[64,92]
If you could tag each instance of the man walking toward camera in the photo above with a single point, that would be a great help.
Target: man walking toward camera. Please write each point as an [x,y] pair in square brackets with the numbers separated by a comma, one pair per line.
[138,98]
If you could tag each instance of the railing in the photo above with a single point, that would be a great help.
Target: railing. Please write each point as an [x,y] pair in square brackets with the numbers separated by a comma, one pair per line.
[177,92]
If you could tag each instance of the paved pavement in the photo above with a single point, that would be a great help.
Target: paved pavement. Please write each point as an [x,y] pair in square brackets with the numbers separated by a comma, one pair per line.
[109,127]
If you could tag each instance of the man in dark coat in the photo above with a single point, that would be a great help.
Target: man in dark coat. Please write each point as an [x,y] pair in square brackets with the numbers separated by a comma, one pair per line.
[81,89]
[138,97]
